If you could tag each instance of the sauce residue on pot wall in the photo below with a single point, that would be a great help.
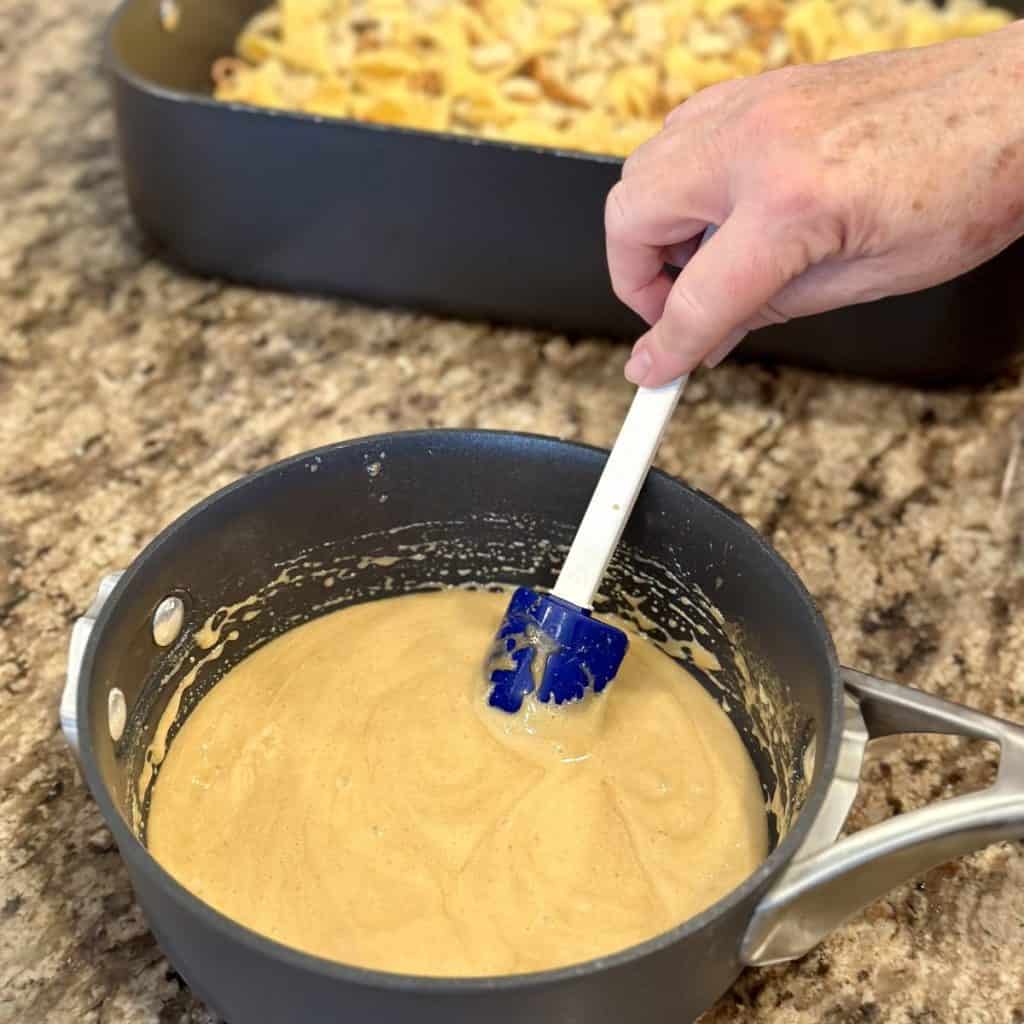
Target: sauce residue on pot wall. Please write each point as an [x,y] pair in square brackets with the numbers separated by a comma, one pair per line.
[654,597]
[346,790]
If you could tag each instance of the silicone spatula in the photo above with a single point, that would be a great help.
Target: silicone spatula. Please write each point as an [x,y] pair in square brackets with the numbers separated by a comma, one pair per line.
[550,644]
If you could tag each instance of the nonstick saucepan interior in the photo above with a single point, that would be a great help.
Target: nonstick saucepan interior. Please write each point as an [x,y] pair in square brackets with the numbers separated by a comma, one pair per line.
[397,513]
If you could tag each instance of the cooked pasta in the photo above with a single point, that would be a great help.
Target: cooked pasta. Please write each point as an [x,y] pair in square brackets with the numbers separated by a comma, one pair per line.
[592,75]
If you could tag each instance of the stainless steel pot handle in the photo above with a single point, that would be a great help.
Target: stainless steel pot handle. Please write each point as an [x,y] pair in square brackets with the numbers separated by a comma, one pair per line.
[76,653]
[828,880]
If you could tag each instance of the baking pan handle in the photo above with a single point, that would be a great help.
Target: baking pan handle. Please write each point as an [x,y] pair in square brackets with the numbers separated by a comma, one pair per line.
[76,654]
[829,880]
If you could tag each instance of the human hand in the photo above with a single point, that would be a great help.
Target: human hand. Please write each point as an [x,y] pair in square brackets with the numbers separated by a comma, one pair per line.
[832,184]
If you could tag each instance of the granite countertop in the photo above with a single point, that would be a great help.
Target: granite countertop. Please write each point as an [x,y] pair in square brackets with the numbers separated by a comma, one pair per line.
[129,391]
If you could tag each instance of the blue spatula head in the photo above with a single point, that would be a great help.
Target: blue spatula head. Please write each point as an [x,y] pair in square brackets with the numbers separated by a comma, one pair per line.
[552,648]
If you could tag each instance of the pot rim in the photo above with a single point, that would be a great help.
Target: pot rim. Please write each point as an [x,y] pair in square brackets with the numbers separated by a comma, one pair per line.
[135,852]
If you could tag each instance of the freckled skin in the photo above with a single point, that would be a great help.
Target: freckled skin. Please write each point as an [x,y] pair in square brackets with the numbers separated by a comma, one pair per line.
[830,184]
[1007,160]
[861,132]
[978,234]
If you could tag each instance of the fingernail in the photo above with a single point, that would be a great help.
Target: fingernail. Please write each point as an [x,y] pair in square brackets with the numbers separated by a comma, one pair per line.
[716,355]
[638,366]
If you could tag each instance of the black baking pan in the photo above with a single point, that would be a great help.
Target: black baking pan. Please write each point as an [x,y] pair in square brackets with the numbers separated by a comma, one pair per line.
[476,229]
[686,567]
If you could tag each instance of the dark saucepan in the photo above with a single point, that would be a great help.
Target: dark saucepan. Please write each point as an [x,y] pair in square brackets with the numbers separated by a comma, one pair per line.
[495,508]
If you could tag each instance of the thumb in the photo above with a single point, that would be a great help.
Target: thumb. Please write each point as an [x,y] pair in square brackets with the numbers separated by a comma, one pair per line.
[725,284]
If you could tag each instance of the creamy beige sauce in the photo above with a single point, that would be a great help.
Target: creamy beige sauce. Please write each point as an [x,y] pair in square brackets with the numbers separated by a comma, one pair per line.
[347,791]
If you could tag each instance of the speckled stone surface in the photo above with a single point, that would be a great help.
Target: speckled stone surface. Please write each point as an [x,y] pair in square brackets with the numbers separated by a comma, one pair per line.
[128,392]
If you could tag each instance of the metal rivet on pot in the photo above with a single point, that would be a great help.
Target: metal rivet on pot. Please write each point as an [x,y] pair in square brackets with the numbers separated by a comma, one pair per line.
[168,619]
[117,713]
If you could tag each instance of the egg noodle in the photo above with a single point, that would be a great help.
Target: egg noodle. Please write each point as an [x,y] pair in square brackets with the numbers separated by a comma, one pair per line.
[592,75]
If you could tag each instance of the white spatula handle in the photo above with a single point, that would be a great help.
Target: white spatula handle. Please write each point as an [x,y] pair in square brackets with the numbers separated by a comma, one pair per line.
[616,492]
[615,495]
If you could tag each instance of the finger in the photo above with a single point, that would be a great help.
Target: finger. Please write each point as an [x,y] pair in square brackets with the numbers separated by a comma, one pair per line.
[676,113]
[719,352]
[641,226]
[669,149]
[705,100]
[819,289]
[642,289]
[649,298]
[643,156]
[723,287]
[673,199]
[679,255]
[830,285]
[678,145]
